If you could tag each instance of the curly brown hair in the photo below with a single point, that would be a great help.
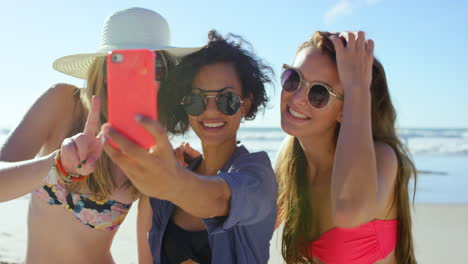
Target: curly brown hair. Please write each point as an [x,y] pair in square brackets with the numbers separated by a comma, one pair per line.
[253,73]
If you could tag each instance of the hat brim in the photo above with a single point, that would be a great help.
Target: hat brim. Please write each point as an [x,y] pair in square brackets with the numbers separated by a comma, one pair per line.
[77,65]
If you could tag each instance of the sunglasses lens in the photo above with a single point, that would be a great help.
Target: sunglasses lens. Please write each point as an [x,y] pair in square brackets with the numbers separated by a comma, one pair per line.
[194,104]
[290,80]
[160,67]
[228,103]
[318,96]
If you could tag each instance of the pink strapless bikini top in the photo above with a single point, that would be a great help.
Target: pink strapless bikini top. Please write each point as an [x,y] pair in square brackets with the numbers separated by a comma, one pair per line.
[364,244]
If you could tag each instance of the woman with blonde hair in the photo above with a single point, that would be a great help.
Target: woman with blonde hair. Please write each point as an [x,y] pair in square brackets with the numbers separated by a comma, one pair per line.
[342,172]
[79,195]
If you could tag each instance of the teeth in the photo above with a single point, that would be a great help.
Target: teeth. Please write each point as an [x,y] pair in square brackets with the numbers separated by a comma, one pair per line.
[213,124]
[296,114]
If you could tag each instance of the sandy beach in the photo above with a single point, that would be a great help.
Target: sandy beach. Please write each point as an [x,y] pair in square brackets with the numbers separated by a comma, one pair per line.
[440,233]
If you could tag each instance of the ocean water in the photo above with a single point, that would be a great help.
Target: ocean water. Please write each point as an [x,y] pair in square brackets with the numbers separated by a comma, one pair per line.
[440,155]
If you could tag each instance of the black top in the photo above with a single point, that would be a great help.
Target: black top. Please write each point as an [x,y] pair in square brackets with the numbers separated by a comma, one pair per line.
[180,245]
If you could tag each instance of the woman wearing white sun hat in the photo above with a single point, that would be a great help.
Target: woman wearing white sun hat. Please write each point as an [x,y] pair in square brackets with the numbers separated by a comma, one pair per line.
[72,217]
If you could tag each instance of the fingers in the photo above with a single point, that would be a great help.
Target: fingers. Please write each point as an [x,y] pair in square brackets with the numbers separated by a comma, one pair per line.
[95,150]
[350,39]
[92,123]
[361,44]
[370,46]
[69,155]
[179,153]
[191,152]
[126,146]
[337,43]
[81,143]
[159,133]
[361,39]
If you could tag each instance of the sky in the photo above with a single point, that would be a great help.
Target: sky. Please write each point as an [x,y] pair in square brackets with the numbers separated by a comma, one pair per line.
[422,45]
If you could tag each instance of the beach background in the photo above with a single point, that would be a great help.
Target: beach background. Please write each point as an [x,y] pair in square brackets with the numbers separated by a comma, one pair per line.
[440,213]
[421,44]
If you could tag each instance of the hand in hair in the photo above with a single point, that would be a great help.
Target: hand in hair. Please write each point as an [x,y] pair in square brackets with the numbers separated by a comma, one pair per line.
[354,58]
[80,152]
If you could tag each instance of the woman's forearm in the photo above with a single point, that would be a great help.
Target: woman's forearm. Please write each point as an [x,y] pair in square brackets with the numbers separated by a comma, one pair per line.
[201,196]
[354,180]
[20,178]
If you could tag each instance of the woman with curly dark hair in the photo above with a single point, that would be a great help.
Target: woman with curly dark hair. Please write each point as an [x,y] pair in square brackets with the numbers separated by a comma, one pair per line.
[222,209]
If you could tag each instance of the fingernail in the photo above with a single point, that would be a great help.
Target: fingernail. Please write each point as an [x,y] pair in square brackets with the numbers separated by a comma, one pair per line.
[79,166]
[83,162]
[139,117]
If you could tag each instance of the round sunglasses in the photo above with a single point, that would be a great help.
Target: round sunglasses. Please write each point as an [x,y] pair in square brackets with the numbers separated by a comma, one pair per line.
[319,94]
[228,103]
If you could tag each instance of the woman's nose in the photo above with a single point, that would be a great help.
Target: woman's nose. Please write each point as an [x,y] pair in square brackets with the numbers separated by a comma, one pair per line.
[210,104]
[300,96]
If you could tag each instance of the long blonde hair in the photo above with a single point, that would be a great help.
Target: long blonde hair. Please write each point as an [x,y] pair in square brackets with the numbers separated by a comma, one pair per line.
[291,168]
[100,183]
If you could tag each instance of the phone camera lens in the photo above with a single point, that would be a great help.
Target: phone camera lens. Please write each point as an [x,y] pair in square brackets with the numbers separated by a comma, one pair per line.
[117,57]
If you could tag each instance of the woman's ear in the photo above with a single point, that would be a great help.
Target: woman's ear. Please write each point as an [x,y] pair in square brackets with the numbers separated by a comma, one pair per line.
[340,117]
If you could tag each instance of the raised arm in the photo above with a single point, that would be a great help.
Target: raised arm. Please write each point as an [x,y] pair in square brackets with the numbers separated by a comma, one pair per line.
[363,172]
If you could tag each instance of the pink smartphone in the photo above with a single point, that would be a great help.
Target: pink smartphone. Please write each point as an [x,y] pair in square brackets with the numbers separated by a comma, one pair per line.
[132,89]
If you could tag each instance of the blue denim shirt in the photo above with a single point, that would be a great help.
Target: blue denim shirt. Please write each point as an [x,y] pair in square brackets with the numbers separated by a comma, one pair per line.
[243,236]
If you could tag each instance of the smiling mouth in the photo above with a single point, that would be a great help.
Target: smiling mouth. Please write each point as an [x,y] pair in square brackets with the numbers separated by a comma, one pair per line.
[213,124]
[296,114]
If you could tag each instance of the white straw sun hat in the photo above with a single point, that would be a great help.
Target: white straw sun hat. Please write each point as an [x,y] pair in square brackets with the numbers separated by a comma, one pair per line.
[133,28]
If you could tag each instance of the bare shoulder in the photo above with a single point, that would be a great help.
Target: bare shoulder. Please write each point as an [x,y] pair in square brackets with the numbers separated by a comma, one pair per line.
[41,121]
[60,105]
[61,100]
[57,99]
[62,93]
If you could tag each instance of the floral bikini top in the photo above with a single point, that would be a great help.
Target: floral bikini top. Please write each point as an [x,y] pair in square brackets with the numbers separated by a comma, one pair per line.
[98,214]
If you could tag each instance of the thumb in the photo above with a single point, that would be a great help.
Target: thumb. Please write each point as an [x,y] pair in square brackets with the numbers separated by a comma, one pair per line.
[179,153]
[191,152]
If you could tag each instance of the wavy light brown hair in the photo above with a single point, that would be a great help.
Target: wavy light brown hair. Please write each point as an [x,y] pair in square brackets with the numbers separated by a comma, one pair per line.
[291,167]
[100,183]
